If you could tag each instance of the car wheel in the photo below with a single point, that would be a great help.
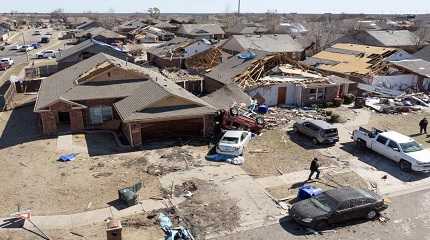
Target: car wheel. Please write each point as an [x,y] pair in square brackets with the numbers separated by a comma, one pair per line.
[259,120]
[371,215]
[315,141]
[321,225]
[405,166]
[234,111]
[361,143]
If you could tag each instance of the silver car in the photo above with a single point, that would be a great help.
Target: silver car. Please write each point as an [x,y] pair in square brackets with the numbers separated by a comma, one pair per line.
[319,131]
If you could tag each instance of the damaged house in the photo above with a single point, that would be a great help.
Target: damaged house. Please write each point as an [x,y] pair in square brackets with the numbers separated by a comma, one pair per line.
[104,92]
[272,43]
[401,39]
[102,35]
[185,53]
[276,79]
[151,34]
[201,31]
[365,64]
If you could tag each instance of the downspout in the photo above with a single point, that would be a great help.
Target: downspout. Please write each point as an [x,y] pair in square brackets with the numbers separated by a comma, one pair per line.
[131,136]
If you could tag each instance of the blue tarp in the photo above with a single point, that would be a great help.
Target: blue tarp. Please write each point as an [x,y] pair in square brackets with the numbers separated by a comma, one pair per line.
[67,157]
[247,55]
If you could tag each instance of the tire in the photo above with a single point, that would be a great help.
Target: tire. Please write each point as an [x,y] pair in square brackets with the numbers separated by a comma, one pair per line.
[371,215]
[259,121]
[321,225]
[405,166]
[234,111]
[361,143]
[315,141]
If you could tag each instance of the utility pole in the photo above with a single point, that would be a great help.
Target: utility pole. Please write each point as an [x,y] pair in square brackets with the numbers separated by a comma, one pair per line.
[238,9]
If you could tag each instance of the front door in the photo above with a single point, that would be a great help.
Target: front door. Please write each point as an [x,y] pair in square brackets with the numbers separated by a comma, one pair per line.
[282,95]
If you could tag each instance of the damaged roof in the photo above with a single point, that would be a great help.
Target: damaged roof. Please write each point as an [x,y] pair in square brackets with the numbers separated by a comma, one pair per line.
[234,66]
[268,42]
[424,53]
[100,31]
[201,29]
[226,96]
[166,49]
[417,66]
[397,38]
[348,58]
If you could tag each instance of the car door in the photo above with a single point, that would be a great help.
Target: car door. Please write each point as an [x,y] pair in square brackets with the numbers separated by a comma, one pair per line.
[393,151]
[379,145]
[348,210]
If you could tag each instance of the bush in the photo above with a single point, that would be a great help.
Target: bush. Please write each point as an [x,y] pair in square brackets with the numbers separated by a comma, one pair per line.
[338,102]
[329,113]
[348,99]
[334,118]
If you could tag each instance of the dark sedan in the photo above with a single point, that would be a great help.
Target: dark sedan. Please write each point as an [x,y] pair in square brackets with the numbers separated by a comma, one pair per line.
[337,206]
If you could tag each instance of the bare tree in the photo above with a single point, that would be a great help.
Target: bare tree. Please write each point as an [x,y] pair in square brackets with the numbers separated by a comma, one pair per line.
[423,34]
[57,14]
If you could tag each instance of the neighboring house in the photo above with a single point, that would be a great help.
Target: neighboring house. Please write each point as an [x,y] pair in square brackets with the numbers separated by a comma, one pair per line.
[291,28]
[87,49]
[130,26]
[418,67]
[104,92]
[402,39]
[200,31]
[87,25]
[272,43]
[4,34]
[424,53]
[151,34]
[179,52]
[102,35]
[243,29]
[366,64]
[166,26]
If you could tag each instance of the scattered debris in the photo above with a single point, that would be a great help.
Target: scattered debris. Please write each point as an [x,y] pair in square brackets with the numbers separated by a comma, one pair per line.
[159,170]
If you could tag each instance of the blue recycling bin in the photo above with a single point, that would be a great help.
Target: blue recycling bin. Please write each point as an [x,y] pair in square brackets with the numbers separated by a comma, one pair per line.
[308,191]
[263,109]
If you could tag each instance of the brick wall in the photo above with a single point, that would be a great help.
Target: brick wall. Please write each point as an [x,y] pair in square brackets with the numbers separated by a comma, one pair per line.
[49,123]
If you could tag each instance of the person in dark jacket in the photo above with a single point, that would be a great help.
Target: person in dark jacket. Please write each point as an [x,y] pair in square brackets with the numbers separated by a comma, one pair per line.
[314,168]
[423,126]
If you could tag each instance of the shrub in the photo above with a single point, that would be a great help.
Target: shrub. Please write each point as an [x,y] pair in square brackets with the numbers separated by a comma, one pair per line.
[334,118]
[338,102]
[348,99]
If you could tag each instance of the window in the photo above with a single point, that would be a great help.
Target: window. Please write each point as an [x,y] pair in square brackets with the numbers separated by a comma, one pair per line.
[313,91]
[100,114]
[243,136]
[393,145]
[382,140]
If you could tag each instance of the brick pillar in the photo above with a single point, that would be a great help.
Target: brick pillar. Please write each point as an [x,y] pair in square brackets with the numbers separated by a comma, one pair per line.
[49,123]
[136,135]
[76,120]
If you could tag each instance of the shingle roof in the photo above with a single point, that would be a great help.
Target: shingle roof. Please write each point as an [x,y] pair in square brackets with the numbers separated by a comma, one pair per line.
[97,46]
[100,31]
[269,43]
[137,95]
[396,38]
[232,67]
[200,29]
[418,66]
[224,97]
[423,53]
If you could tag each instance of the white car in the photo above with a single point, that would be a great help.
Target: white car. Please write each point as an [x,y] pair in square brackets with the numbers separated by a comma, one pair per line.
[46,54]
[26,48]
[8,61]
[16,47]
[395,146]
[233,143]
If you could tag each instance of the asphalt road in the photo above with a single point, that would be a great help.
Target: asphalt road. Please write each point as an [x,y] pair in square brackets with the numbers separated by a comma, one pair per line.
[409,218]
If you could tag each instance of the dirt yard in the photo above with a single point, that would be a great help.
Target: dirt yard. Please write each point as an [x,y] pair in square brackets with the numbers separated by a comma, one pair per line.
[33,178]
[281,151]
[403,123]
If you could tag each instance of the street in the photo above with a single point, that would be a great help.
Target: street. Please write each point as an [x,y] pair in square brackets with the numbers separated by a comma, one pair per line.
[409,218]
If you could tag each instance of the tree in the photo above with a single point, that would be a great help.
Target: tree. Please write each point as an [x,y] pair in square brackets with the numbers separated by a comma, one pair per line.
[154,12]
[57,13]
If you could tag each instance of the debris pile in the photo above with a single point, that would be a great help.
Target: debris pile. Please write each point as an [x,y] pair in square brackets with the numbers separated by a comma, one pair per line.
[401,104]
[282,116]
[159,170]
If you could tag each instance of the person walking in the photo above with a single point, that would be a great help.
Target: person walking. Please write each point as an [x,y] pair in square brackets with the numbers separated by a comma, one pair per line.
[314,168]
[423,126]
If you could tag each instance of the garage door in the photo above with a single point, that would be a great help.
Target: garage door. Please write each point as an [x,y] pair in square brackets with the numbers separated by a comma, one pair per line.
[169,129]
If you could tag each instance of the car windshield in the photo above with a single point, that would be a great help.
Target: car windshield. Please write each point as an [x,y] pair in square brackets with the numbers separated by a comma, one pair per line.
[330,131]
[230,140]
[410,147]
[324,202]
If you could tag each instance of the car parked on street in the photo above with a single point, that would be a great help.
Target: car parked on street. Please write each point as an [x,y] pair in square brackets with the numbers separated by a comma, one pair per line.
[233,143]
[9,61]
[46,54]
[15,47]
[4,66]
[395,146]
[37,32]
[26,48]
[45,39]
[36,45]
[319,131]
[336,206]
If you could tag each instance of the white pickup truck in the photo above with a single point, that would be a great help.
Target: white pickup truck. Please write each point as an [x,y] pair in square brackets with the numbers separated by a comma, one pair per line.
[395,146]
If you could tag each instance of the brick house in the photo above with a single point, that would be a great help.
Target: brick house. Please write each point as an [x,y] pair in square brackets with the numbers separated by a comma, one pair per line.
[104,92]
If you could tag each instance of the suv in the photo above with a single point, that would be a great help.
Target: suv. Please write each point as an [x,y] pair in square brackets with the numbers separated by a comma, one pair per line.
[320,131]
[7,61]
[46,54]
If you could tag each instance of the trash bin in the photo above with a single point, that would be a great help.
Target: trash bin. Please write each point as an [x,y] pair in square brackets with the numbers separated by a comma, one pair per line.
[263,109]
[308,191]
